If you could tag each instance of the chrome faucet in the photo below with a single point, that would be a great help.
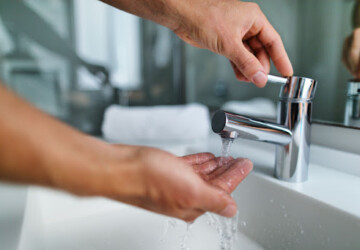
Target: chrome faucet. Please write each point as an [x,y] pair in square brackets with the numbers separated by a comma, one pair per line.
[291,134]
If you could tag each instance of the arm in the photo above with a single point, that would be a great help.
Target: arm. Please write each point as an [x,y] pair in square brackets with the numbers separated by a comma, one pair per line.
[238,30]
[37,149]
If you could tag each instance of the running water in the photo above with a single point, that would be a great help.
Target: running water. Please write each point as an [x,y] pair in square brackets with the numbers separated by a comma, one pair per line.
[227,228]
[169,223]
[225,150]
[185,240]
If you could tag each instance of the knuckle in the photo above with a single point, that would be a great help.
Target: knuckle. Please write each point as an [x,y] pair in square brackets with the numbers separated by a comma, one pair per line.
[254,6]
[275,39]
[246,64]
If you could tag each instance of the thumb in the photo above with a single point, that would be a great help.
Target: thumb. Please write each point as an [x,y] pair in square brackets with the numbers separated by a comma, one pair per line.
[217,201]
[249,66]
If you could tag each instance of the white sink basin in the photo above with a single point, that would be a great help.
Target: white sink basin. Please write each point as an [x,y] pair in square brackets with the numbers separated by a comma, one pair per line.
[67,222]
[323,213]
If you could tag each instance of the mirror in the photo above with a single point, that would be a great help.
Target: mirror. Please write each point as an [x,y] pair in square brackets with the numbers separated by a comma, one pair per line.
[55,55]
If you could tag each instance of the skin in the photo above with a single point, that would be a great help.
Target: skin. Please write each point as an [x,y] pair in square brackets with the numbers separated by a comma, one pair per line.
[37,149]
[235,29]
[351,53]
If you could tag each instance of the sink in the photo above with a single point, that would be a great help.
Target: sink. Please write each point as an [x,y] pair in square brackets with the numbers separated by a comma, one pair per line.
[272,214]
[278,218]
[68,222]
[12,208]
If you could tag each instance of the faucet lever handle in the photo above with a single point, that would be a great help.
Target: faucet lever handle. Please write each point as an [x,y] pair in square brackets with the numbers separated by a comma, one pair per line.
[277,79]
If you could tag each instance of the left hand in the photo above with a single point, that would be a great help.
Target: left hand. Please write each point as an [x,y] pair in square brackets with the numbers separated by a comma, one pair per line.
[225,174]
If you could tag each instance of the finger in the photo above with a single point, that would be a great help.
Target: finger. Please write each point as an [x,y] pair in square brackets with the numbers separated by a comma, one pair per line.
[274,46]
[264,59]
[192,215]
[210,166]
[355,50]
[200,158]
[229,179]
[249,66]
[260,53]
[356,73]
[205,169]
[247,46]
[217,201]
[239,76]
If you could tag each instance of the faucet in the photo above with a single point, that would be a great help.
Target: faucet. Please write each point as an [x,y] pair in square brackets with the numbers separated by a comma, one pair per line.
[291,133]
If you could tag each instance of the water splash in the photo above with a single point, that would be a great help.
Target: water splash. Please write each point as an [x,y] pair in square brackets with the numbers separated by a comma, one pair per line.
[226,228]
[169,223]
[185,240]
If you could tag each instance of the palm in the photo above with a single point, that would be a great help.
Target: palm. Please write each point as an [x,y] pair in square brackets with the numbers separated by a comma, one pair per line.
[226,175]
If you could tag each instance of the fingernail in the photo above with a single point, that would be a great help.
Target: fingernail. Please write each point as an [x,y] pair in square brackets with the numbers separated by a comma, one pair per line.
[259,78]
[229,211]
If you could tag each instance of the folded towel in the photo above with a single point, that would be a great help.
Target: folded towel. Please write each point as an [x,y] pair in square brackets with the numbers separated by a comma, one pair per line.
[257,107]
[183,123]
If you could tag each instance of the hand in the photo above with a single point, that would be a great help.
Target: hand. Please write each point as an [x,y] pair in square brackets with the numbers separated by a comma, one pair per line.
[47,152]
[180,187]
[223,173]
[237,30]
[351,53]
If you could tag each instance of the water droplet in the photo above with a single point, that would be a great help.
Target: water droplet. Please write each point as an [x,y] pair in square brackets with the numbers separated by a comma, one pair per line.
[285,215]
[242,171]
[282,206]
[302,231]
[169,223]
[271,201]
[320,226]
[243,223]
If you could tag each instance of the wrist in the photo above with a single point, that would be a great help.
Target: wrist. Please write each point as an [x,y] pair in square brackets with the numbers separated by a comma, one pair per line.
[94,168]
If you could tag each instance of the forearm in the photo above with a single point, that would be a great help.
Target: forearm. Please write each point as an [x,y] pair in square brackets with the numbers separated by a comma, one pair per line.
[37,149]
[169,13]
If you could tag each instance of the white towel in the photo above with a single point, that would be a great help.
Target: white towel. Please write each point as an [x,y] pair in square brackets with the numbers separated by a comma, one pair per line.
[184,123]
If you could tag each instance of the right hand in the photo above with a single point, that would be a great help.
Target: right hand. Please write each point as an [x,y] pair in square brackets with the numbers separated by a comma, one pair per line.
[239,31]
[235,29]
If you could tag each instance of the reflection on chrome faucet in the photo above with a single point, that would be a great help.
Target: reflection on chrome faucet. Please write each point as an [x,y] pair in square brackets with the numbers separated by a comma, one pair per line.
[352,108]
[291,134]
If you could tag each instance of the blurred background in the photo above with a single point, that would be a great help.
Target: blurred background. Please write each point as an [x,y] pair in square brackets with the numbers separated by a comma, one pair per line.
[74,58]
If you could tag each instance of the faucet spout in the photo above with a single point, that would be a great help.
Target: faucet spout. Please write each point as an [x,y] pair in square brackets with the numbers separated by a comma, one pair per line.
[230,125]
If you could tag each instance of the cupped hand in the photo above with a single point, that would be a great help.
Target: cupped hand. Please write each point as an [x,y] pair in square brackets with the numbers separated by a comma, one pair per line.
[351,53]
[184,187]
[238,30]
[223,173]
